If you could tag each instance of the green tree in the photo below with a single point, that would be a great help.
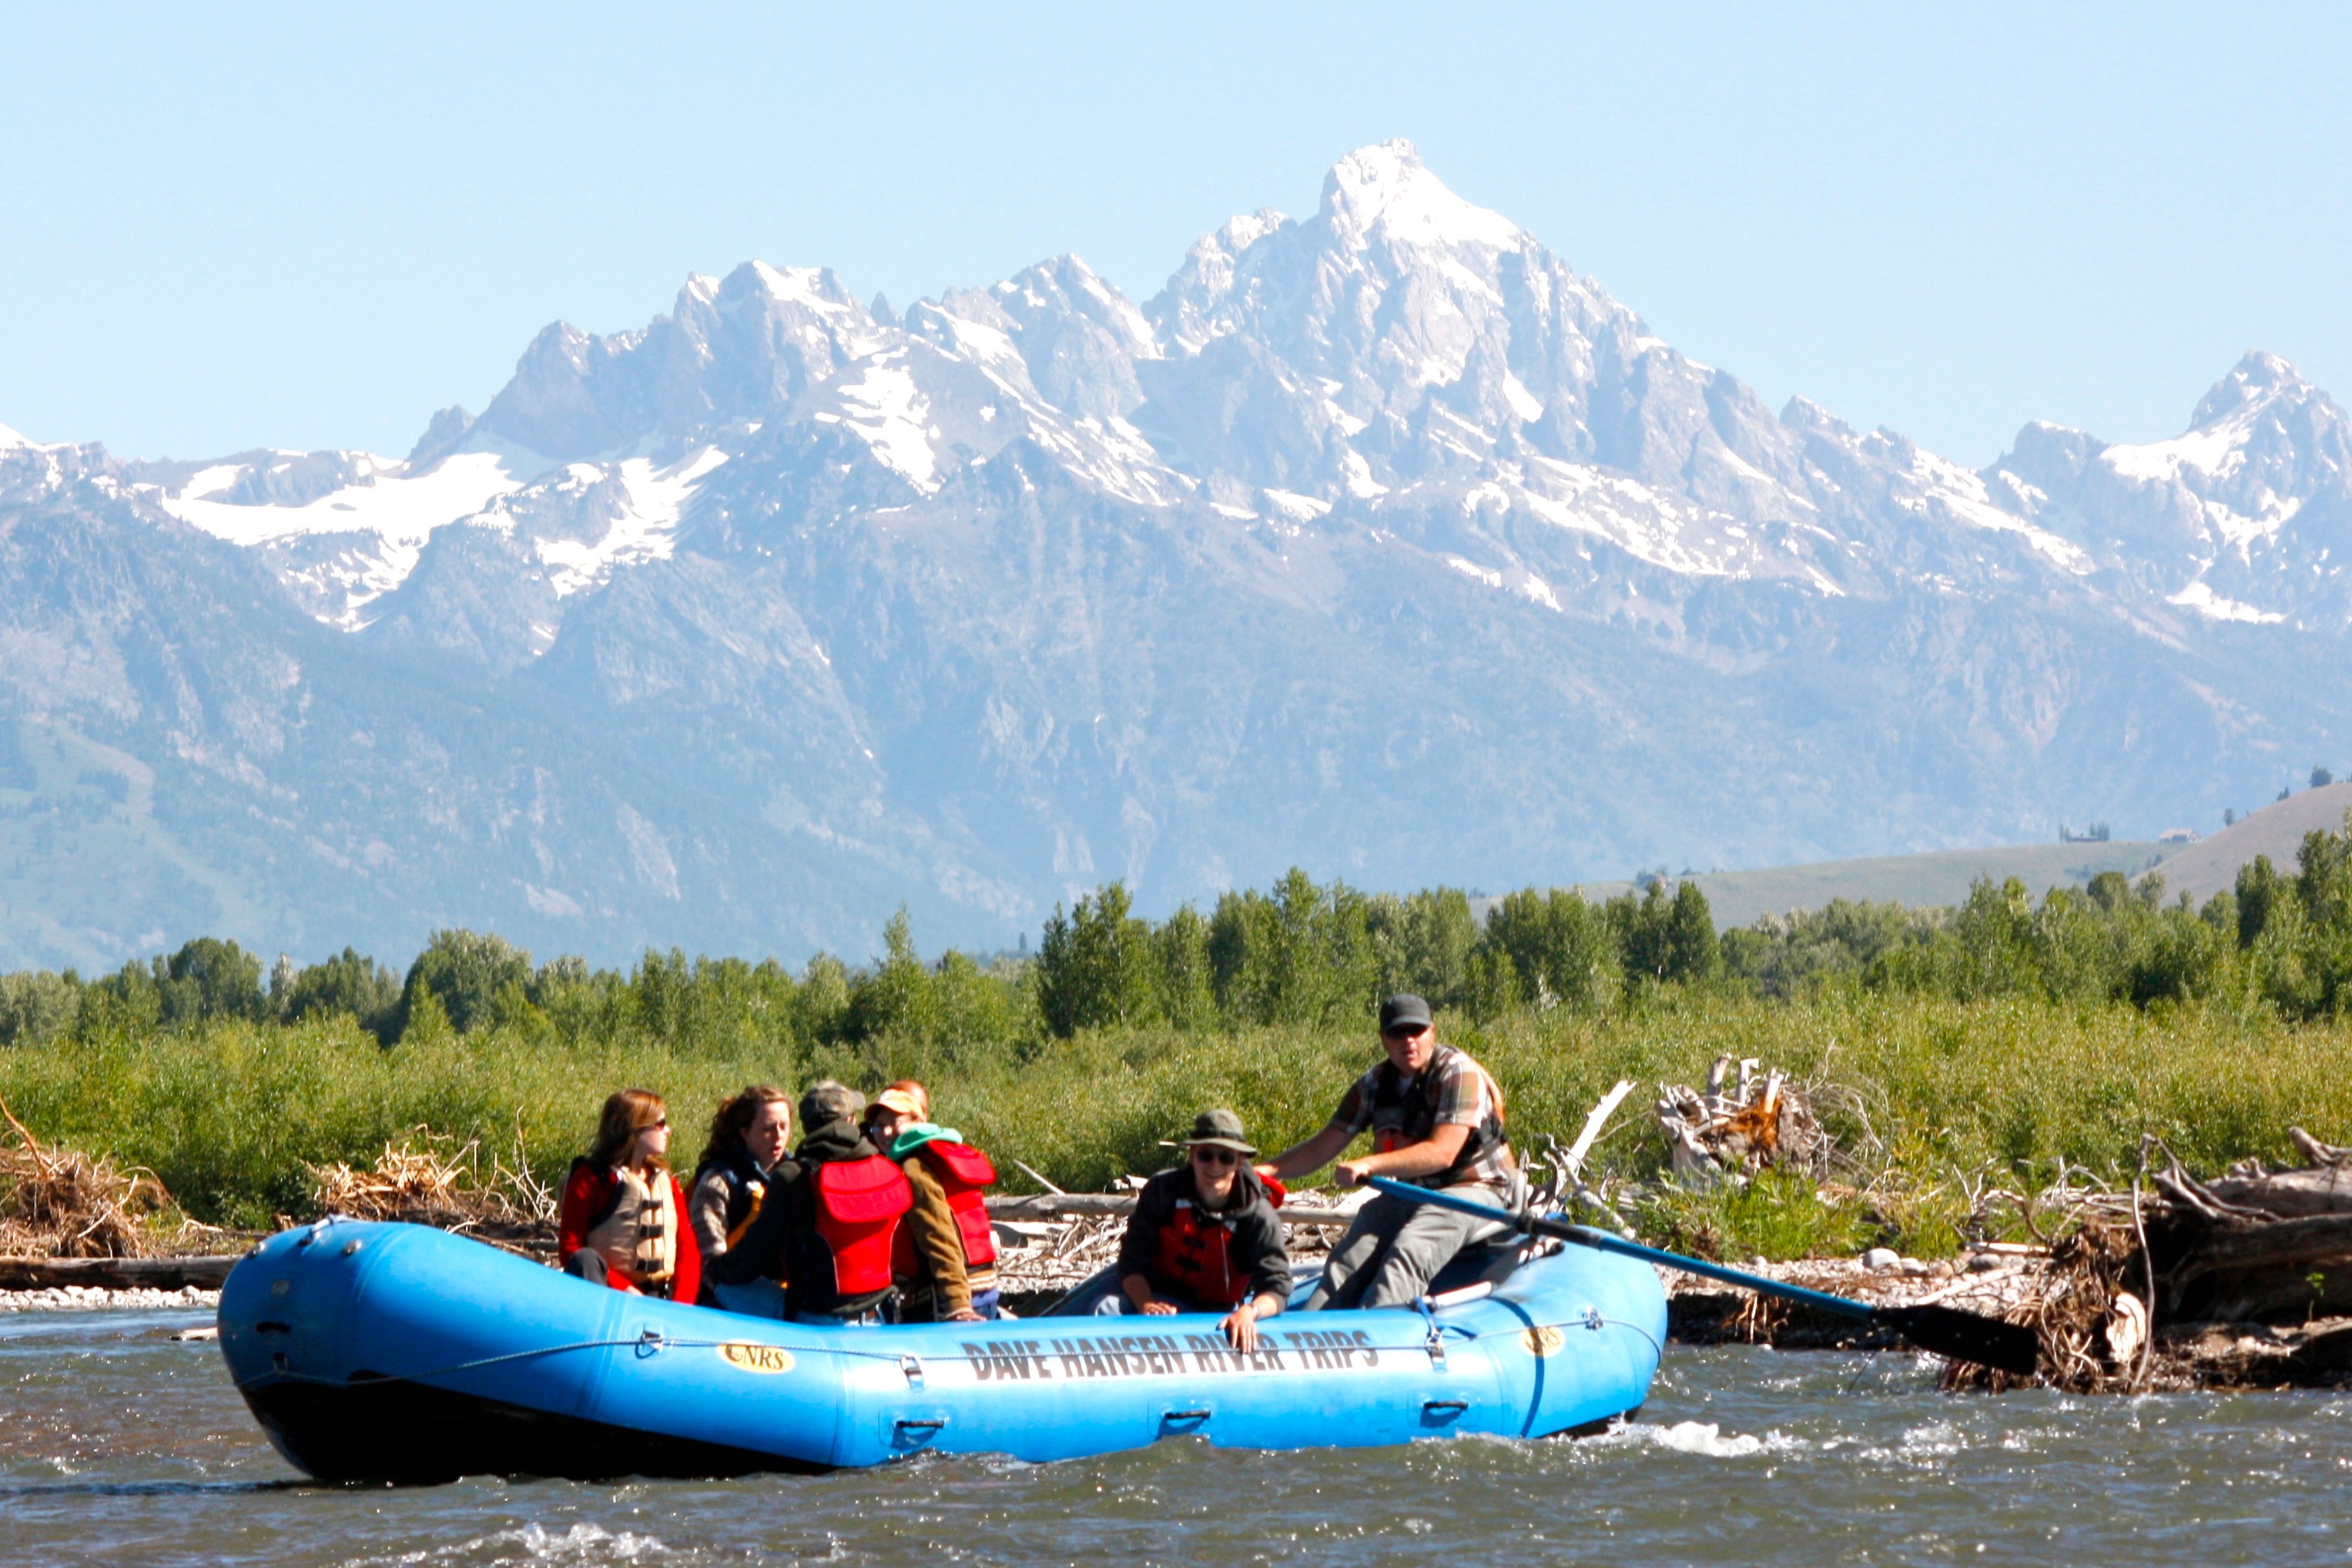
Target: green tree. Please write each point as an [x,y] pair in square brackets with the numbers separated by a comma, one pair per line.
[1562,950]
[464,970]
[894,997]
[1096,967]
[1302,955]
[1423,942]
[36,1006]
[2257,893]
[1180,950]
[209,978]
[1692,953]
[351,984]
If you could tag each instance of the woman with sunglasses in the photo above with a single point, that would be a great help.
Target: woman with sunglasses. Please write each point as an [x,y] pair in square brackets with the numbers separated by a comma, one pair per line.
[623,1222]
[1204,1238]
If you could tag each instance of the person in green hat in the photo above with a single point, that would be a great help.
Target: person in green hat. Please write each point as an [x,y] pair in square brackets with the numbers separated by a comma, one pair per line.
[1204,1238]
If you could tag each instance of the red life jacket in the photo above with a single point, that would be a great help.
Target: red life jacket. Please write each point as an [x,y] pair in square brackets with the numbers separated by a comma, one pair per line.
[1195,1254]
[963,1171]
[859,1203]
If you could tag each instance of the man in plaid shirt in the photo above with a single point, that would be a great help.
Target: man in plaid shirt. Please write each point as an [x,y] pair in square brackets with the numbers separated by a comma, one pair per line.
[1436,1120]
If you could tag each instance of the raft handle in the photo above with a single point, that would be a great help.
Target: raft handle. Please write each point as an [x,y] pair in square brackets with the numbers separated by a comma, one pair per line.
[1186,1415]
[928,1423]
[1434,1410]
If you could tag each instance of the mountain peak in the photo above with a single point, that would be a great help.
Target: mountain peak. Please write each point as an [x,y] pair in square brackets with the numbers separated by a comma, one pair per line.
[2259,377]
[1385,188]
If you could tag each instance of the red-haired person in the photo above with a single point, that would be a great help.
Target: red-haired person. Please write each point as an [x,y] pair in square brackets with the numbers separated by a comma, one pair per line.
[623,1220]
[943,1258]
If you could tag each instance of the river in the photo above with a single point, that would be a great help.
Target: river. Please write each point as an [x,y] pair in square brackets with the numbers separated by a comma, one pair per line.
[119,1446]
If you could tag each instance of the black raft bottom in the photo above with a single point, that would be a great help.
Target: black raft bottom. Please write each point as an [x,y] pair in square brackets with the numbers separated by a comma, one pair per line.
[412,1434]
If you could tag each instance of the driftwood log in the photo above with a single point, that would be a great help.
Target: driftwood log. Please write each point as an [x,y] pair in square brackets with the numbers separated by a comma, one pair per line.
[2254,1246]
[114,1273]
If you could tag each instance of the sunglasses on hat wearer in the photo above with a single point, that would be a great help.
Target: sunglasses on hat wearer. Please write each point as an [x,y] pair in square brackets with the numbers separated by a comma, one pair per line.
[1207,1155]
[1405,1031]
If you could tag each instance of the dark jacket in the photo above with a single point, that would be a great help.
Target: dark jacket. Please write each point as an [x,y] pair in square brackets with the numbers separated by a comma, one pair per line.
[784,1242]
[1257,1247]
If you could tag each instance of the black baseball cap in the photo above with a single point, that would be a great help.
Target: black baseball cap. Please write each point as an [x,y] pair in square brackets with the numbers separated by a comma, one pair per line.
[1406,1008]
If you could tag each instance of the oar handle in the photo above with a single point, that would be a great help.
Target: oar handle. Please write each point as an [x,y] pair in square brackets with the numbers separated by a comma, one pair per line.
[1602,1241]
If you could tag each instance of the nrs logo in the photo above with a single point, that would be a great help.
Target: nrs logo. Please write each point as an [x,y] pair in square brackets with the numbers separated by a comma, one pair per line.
[757,1358]
[1543,1341]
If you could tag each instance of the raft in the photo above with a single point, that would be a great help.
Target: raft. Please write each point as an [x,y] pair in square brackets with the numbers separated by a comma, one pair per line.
[398,1353]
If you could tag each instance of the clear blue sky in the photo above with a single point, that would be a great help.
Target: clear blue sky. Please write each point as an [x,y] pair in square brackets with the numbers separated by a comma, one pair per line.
[312,226]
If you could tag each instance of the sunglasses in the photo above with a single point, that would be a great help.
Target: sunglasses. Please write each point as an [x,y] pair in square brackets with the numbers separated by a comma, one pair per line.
[1405,1031]
[1216,1157]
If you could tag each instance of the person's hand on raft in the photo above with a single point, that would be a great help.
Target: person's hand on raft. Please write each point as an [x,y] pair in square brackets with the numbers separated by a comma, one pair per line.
[1240,1326]
[1351,1173]
[1160,1308]
[966,1316]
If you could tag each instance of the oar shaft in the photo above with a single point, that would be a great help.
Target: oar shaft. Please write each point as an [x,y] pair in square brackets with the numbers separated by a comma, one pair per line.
[1602,1241]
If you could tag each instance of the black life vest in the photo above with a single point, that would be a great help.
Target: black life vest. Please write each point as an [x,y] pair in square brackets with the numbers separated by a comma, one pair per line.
[747,1191]
[857,1204]
[1404,1115]
[1195,1252]
[962,1172]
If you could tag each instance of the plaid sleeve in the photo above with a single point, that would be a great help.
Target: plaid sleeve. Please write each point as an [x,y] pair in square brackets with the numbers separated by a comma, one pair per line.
[1355,1112]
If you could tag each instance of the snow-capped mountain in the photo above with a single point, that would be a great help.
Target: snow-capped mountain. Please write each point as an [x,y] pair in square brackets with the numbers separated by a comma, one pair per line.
[1380,540]
[2247,517]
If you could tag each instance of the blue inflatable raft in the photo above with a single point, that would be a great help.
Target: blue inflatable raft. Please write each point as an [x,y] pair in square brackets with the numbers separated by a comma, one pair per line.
[399,1352]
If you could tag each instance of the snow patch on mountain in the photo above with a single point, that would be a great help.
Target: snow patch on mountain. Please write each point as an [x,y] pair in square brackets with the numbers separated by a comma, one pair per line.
[645,530]
[389,502]
[885,408]
[2201,597]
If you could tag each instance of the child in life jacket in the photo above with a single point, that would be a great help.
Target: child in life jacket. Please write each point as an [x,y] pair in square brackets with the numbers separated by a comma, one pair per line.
[944,1259]
[623,1222]
[1204,1238]
[832,1214]
[751,1137]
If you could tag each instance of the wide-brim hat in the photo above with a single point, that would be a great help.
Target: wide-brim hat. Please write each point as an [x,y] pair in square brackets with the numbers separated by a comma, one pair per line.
[1215,1129]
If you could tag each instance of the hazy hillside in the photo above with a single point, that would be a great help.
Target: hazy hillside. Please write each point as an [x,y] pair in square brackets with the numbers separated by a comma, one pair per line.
[1937,878]
[2204,868]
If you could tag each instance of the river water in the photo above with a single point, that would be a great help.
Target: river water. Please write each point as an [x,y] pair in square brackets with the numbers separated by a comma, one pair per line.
[119,1445]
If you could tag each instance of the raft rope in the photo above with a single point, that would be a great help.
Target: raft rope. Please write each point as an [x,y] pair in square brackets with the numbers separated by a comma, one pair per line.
[652,1341]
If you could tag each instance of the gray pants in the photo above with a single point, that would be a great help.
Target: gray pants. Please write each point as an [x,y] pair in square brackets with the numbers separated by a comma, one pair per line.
[1395,1247]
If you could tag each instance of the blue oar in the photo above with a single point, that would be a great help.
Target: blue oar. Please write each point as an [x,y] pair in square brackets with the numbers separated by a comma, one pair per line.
[1946,1331]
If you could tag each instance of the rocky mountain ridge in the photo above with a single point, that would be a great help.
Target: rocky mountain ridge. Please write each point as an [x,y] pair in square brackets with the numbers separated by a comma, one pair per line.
[1380,540]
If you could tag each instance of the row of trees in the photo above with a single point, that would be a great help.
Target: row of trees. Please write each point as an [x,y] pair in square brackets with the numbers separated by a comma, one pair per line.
[1309,954]
[1301,953]
[2279,939]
